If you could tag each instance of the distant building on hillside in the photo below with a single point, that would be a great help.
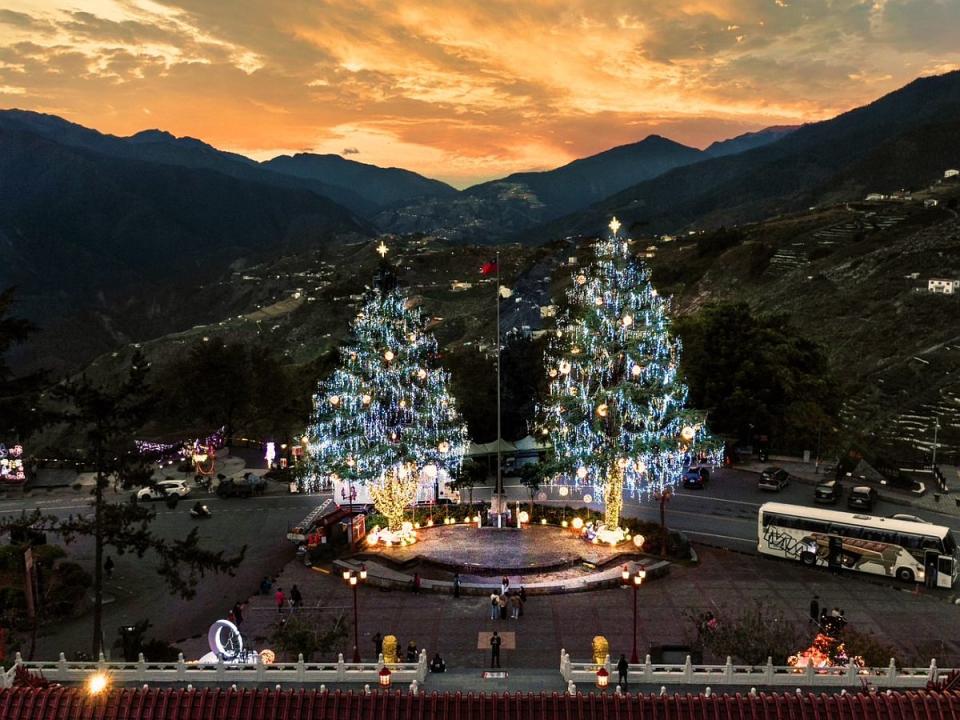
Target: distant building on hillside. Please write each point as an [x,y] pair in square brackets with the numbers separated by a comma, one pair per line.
[943,286]
[950,173]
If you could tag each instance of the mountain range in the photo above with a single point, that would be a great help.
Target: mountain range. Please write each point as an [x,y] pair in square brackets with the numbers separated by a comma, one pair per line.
[106,235]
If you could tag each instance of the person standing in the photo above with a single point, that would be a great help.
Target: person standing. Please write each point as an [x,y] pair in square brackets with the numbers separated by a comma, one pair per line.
[815,609]
[108,567]
[456,585]
[502,602]
[238,612]
[495,650]
[494,606]
[279,598]
[523,599]
[416,582]
[622,667]
[296,599]
[515,606]
[378,645]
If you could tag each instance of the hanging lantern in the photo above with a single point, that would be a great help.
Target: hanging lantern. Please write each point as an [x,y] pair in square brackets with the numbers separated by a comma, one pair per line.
[638,541]
[581,472]
[366,399]
[636,370]
[403,404]
[384,676]
[350,461]
[603,678]
[687,434]
[581,279]
[553,372]
[598,301]
[559,333]
[627,320]
[564,367]
[334,400]
[388,355]
[575,350]
[602,410]
[444,446]
[412,337]
[641,467]
[421,373]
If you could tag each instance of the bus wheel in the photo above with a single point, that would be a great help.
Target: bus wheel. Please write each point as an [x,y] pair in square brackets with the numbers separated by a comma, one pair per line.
[905,575]
[808,558]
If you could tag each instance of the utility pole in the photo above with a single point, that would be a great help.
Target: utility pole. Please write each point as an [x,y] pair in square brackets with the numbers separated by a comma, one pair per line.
[499,459]
[936,427]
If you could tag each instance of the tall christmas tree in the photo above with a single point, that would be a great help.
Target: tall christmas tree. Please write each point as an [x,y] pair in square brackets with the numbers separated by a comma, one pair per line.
[385,417]
[615,411]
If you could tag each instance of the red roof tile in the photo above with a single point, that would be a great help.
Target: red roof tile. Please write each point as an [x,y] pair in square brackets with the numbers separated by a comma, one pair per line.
[219,704]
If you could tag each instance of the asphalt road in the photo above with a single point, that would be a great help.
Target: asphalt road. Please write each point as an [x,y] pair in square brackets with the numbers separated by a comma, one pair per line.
[723,514]
[136,592]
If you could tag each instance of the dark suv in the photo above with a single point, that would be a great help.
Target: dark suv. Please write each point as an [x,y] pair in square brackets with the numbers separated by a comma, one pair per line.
[828,491]
[861,498]
[773,478]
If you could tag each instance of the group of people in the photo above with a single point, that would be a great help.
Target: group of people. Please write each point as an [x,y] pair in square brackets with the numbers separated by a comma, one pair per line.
[831,622]
[236,613]
[507,599]
[295,599]
[412,653]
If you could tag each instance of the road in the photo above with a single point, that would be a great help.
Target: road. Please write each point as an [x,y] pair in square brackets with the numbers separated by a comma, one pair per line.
[723,514]
[137,592]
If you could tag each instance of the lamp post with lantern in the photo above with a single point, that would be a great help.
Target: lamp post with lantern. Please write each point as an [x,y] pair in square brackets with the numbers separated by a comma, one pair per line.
[633,579]
[353,578]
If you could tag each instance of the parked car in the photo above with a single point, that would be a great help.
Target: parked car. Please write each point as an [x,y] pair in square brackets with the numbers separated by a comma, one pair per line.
[248,486]
[862,498]
[773,478]
[828,491]
[696,476]
[163,490]
[909,518]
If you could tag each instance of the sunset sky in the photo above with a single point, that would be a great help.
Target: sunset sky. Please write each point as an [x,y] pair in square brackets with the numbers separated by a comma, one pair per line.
[460,90]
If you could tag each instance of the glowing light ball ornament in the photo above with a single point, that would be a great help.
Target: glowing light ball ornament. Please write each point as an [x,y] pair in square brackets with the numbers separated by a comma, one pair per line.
[616,406]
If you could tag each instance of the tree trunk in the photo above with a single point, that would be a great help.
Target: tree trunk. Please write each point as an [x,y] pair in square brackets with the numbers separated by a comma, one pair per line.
[613,497]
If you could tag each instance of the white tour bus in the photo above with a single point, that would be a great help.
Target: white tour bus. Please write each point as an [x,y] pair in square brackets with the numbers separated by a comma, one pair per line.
[908,551]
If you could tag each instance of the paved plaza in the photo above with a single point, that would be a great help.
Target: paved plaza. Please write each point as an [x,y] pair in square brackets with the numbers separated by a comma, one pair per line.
[921,623]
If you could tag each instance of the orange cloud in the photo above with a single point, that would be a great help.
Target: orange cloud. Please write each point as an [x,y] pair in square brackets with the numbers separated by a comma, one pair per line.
[456,89]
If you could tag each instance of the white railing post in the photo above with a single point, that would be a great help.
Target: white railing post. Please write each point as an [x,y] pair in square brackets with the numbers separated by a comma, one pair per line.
[563,664]
[341,669]
[261,671]
[101,661]
[853,673]
[62,668]
[221,670]
[380,663]
[141,668]
[302,670]
[933,673]
[181,668]
[688,671]
[768,671]
[422,666]
[728,671]
[891,678]
[647,669]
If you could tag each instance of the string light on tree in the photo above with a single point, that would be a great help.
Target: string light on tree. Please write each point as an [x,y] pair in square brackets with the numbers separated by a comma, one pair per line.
[371,425]
[615,409]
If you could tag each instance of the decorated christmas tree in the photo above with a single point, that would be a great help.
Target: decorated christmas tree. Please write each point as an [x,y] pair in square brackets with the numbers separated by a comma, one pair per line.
[385,418]
[616,408]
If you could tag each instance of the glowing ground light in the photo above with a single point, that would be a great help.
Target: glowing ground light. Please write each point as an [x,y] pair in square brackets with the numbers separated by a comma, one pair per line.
[577,523]
[97,683]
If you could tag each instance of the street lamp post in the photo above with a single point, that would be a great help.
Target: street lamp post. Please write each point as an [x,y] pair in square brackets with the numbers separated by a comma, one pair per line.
[634,579]
[353,578]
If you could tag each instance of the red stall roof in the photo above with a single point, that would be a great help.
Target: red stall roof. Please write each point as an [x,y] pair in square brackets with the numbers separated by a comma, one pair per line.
[221,704]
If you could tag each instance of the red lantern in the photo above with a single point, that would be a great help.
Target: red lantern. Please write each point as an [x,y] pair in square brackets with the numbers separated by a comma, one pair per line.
[384,675]
[603,678]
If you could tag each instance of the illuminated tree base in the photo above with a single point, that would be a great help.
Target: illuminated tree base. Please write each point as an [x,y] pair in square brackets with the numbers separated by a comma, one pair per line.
[606,535]
[406,535]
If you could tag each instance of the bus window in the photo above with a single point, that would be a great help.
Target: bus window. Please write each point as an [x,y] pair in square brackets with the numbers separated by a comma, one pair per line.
[932,543]
[949,545]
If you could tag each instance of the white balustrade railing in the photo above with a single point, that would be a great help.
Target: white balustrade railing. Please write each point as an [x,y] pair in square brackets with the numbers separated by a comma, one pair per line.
[144,671]
[764,675]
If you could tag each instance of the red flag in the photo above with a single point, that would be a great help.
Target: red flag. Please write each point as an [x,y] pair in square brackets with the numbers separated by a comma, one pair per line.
[489,267]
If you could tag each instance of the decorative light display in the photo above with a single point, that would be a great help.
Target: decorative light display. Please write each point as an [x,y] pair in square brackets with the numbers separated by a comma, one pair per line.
[615,411]
[11,464]
[824,652]
[393,419]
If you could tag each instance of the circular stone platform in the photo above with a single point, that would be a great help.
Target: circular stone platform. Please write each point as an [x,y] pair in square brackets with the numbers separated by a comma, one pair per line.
[488,551]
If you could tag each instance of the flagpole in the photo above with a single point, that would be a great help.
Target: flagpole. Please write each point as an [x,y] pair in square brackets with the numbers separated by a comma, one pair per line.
[499,464]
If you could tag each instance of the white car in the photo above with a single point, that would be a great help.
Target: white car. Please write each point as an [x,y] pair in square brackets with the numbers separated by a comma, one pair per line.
[164,489]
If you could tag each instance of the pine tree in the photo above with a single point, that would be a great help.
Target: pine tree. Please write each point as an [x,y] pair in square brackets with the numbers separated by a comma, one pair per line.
[615,408]
[385,417]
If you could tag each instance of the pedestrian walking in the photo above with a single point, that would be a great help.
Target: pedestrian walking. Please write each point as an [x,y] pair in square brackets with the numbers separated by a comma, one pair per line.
[108,567]
[494,606]
[815,608]
[265,585]
[523,599]
[416,582]
[296,599]
[502,602]
[238,612]
[378,645]
[456,585]
[515,606]
[504,585]
[622,667]
[495,642]
[279,598]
